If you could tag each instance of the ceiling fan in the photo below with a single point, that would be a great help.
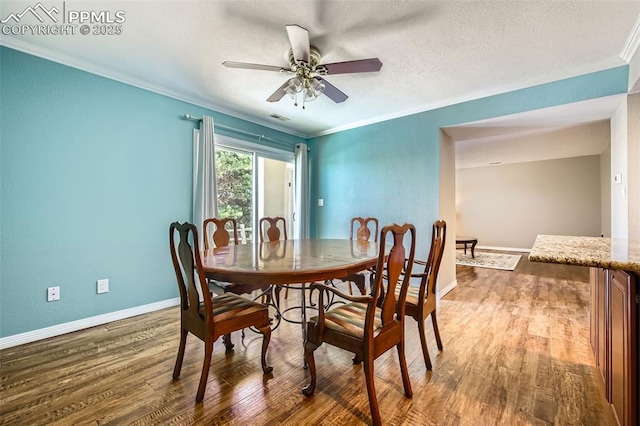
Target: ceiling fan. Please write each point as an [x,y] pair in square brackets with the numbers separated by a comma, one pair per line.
[304,64]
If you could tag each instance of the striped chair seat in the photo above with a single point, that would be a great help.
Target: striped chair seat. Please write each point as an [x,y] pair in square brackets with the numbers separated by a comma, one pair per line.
[219,287]
[412,295]
[349,319]
[228,305]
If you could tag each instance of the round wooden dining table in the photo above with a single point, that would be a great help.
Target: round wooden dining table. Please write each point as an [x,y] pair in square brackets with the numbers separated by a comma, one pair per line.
[289,262]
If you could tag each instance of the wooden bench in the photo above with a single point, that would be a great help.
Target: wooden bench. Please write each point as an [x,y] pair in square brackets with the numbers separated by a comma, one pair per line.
[465,241]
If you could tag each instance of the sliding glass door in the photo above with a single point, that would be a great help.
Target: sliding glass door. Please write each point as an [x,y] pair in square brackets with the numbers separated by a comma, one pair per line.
[275,179]
[253,183]
[234,179]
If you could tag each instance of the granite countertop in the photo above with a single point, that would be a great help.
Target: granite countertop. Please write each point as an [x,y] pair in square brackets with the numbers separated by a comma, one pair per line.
[611,253]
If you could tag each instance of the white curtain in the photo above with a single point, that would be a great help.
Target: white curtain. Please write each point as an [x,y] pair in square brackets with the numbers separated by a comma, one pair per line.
[301,218]
[205,193]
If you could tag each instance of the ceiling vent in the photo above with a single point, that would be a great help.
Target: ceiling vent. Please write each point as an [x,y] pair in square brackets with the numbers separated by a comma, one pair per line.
[279,117]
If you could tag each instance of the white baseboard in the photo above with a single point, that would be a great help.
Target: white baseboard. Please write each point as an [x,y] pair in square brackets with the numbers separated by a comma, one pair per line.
[446,289]
[68,327]
[526,250]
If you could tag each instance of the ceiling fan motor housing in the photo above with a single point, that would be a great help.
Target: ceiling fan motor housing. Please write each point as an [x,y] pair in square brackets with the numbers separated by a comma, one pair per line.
[302,68]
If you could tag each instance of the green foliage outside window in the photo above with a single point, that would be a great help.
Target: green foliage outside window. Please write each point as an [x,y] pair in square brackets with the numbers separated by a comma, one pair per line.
[234,181]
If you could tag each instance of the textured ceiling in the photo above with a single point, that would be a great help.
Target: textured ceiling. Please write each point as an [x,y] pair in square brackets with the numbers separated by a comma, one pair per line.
[433,53]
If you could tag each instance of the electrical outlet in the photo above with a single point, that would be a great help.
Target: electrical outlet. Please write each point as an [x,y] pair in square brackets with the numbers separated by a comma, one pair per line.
[53,294]
[103,286]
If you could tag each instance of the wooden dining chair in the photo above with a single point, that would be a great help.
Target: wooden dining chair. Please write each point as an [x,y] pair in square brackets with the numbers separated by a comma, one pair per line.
[213,316]
[362,233]
[274,229]
[221,232]
[368,325]
[220,235]
[421,301]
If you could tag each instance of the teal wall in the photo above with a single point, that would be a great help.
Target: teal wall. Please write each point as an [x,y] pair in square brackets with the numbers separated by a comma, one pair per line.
[365,172]
[390,170]
[92,173]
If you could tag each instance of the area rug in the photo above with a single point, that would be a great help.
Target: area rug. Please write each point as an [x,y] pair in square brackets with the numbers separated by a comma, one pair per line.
[507,262]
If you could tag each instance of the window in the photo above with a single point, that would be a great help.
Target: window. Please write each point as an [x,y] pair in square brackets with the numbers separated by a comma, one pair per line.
[253,181]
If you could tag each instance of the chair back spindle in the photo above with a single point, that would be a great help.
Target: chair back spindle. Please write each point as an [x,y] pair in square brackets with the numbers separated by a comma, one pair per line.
[185,265]
[397,268]
[436,251]
[221,236]
[363,233]
[272,230]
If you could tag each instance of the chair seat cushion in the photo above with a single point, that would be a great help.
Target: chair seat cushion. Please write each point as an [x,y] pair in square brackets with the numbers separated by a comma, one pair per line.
[228,305]
[349,319]
[216,287]
[412,295]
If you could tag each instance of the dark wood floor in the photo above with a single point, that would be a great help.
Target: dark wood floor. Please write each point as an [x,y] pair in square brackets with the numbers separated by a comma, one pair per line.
[516,352]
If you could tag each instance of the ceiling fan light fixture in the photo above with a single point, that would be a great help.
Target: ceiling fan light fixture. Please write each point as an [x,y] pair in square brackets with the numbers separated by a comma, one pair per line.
[295,86]
[314,89]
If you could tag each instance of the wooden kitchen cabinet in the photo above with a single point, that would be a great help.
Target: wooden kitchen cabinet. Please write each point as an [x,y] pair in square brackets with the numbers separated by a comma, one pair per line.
[623,341]
[614,339]
[599,321]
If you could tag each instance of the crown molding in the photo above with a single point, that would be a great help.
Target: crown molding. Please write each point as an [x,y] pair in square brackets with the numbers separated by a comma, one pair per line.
[631,46]
[498,90]
[140,84]
[633,41]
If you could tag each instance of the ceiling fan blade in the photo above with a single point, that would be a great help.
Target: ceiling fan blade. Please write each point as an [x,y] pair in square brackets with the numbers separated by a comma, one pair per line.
[247,66]
[332,91]
[279,93]
[299,39]
[362,65]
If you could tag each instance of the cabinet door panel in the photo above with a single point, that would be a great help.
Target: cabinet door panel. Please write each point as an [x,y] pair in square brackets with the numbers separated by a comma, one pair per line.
[603,314]
[593,310]
[622,346]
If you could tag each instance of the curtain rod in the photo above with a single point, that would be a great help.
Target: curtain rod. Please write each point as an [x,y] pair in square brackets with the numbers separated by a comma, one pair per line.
[233,129]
